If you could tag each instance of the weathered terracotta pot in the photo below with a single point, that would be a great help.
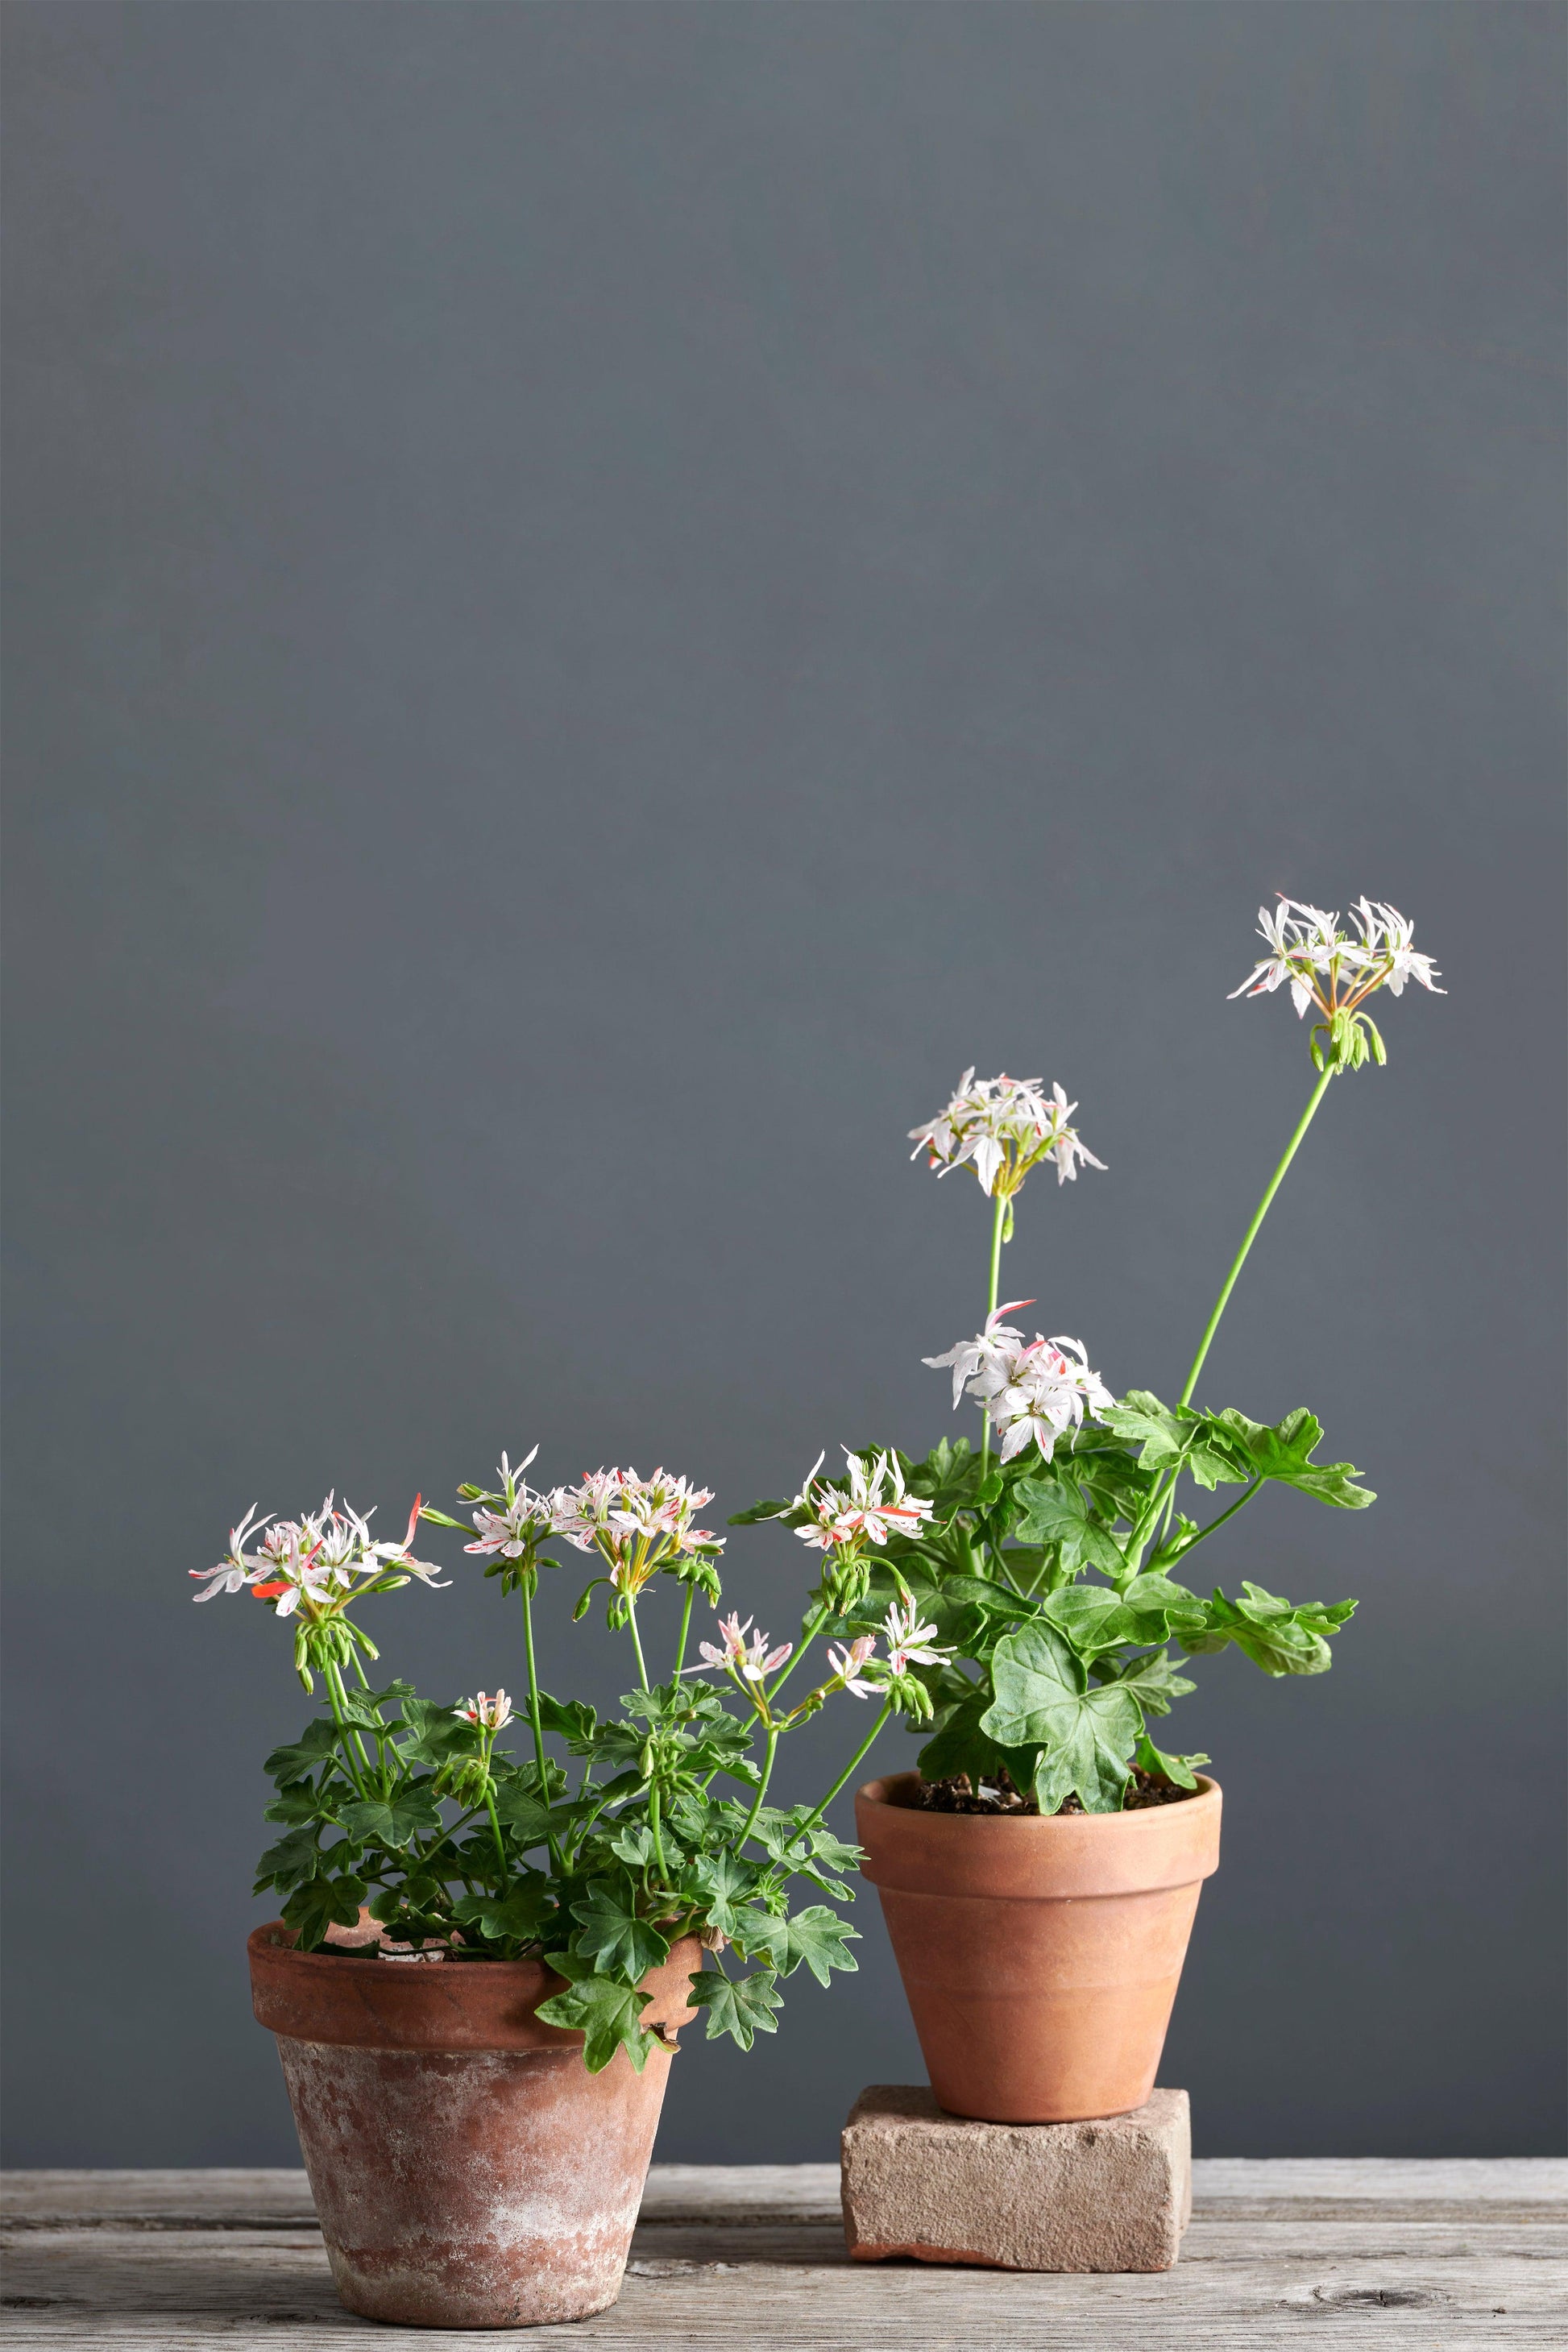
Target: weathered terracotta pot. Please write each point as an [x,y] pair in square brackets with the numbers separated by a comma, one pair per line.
[1040,1957]
[467,2169]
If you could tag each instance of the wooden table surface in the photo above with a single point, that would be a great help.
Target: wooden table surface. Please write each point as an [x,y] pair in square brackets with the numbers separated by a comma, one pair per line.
[1360,2251]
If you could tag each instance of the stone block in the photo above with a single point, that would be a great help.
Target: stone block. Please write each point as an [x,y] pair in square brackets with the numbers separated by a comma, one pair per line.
[1113,2195]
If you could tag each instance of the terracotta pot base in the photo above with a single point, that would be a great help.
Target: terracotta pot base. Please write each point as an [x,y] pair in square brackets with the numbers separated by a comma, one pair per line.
[1040,1957]
[467,2169]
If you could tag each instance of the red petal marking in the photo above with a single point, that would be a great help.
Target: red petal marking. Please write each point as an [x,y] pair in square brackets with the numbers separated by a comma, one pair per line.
[413,1521]
[271,1591]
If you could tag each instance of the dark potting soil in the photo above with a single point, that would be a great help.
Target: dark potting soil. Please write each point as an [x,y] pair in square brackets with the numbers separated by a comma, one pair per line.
[960,1795]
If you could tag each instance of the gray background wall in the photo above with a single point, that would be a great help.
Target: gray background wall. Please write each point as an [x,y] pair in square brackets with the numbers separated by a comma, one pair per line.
[601,598]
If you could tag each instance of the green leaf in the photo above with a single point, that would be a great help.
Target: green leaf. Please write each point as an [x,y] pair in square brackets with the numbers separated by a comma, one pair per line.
[531,1821]
[816,1936]
[611,1933]
[1179,1769]
[320,1904]
[1044,1701]
[1056,1513]
[633,1844]
[302,1802]
[723,1882]
[959,1745]
[293,1859]
[436,1734]
[571,1718]
[1153,1682]
[742,2006]
[1279,1638]
[748,1519]
[605,2013]
[1167,1437]
[396,1821]
[301,1755]
[1284,1451]
[520,1914]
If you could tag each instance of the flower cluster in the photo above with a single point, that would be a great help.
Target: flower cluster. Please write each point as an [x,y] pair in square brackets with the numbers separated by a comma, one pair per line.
[520,1520]
[1336,971]
[636,1524]
[1002,1126]
[313,1564]
[876,1506]
[855,1666]
[1031,1390]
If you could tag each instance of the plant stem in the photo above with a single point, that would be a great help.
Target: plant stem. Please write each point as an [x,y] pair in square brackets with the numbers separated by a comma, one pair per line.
[653,1822]
[997,1224]
[636,1640]
[495,1832]
[761,1786]
[535,1718]
[685,1629]
[1230,1514]
[339,1698]
[809,1633]
[1251,1234]
[814,1817]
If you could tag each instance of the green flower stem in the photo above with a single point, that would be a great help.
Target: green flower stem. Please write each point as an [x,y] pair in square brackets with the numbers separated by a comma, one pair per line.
[997,1222]
[495,1832]
[1251,1235]
[1204,1533]
[685,1630]
[535,1718]
[809,1633]
[762,1785]
[853,1766]
[380,1734]
[653,1822]
[636,1640]
[339,1698]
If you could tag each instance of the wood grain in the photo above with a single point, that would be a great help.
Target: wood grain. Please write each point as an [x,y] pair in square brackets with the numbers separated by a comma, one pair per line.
[1356,2252]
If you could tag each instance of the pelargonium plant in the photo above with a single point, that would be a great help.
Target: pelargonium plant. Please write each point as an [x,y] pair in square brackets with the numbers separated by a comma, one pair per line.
[1034,1586]
[603,1842]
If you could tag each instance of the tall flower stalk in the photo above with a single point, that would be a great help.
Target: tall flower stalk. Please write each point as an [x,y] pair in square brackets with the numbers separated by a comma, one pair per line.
[1046,1565]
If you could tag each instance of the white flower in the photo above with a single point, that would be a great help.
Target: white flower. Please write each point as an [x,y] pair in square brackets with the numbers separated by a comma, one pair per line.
[239,1567]
[733,1638]
[908,1640]
[759,1661]
[489,1714]
[1037,1391]
[755,1660]
[1004,1127]
[1387,935]
[1332,969]
[522,1518]
[846,1664]
[987,1347]
[317,1559]
[636,1523]
[876,1506]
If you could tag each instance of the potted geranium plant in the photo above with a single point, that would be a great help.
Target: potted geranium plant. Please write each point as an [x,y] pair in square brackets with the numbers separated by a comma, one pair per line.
[483,1958]
[1040,1872]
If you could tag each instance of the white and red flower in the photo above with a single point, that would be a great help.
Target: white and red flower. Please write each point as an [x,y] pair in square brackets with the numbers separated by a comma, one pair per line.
[492,1715]
[1002,1126]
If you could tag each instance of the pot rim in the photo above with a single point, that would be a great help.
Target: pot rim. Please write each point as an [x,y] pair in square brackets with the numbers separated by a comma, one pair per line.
[274,1937]
[1078,1825]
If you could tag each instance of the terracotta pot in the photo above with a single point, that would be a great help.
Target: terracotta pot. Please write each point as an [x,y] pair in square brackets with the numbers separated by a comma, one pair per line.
[1040,1957]
[467,2169]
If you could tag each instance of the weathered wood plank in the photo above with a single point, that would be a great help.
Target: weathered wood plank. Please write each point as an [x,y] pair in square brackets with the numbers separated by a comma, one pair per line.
[790,2285]
[218,2199]
[1363,2252]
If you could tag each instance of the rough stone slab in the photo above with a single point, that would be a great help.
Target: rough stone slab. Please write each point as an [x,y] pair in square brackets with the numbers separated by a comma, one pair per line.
[1113,2195]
